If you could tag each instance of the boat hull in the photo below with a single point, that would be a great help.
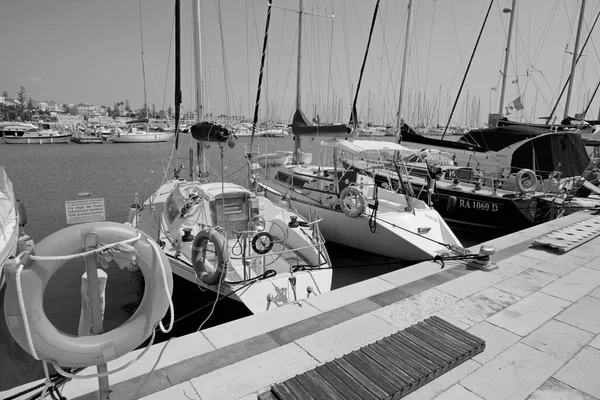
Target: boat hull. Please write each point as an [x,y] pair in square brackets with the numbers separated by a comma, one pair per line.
[153,137]
[56,139]
[390,234]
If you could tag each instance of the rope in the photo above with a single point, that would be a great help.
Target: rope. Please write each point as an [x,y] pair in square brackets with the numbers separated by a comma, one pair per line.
[164,276]
[86,253]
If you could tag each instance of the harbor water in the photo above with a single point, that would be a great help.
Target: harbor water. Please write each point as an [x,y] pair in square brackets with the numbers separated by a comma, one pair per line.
[46,176]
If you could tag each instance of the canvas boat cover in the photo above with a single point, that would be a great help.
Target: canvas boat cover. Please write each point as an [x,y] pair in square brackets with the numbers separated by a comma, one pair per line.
[301,127]
[210,132]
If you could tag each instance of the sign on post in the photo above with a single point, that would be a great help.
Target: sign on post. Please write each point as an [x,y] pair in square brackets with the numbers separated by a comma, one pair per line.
[85,210]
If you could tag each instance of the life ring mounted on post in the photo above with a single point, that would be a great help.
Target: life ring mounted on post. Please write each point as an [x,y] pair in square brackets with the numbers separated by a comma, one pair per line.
[26,283]
[353,201]
[204,272]
[525,181]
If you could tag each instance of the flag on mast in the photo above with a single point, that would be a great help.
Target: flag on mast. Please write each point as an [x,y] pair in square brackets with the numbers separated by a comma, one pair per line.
[516,105]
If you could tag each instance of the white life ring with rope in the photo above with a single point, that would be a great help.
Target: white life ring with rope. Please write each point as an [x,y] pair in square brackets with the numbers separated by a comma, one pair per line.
[525,181]
[23,300]
[353,201]
[214,275]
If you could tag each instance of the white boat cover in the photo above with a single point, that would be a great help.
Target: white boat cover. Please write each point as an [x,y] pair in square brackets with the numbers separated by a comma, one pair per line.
[359,146]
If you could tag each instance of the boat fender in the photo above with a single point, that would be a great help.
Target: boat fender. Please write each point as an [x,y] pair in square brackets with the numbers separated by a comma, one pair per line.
[28,283]
[525,181]
[264,240]
[451,204]
[210,277]
[22,213]
[352,201]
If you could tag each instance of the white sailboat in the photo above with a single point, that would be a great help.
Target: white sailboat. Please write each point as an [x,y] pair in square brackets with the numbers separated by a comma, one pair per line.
[355,211]
[223,236]
[12,219]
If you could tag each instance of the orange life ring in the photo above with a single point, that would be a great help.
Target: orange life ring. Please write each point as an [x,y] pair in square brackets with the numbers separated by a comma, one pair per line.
[525,181]
[210,276]
[353,201]
[52,345]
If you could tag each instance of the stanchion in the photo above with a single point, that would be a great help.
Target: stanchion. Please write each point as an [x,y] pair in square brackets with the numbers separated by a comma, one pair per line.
[90,242]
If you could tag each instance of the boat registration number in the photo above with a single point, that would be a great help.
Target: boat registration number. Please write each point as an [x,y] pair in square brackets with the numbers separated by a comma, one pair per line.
[478,205]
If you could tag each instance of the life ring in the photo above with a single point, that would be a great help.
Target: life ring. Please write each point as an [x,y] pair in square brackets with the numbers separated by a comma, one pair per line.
[265,245]
[214,276]
[525,180]
[52,345]
[353,201]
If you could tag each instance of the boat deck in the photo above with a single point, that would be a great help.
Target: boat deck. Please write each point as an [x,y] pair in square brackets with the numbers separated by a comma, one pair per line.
[537,313]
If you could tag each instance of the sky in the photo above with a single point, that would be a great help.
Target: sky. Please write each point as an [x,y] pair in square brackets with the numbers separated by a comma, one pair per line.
[73,51]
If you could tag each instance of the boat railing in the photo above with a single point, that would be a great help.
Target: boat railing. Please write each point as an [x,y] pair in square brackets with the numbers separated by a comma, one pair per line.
[7,187]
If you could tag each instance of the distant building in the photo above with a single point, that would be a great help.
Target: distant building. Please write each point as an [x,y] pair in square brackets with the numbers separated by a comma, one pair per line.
[7,101]
[85,109]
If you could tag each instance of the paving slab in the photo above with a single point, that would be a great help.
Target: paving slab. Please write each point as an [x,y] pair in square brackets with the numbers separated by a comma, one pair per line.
[561,265]
[575,285]
[182,391]
[581,372]
[177,350]
[458,392]
[252,374]
[594,264]
[253,325]
[539,254]
[479,306]
[470,284]
[449,319]
[588,250]
[506,268]
[581,314]
[343,338]
[350,294]
[596,342]
[513,374]
[415,308]
[595,293]
[413,273]
[442,383]
[556,390]
[560,340]
[527,314]
[496,340]
[361,307]
[527,282]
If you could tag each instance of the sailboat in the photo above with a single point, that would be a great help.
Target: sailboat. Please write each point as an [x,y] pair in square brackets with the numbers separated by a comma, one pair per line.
[12,220]
[355,211]
[501,179]
[223,236]
[138,131]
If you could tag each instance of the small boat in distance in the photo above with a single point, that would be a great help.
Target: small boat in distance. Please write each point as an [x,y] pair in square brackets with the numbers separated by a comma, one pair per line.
[41,133]
[137,132]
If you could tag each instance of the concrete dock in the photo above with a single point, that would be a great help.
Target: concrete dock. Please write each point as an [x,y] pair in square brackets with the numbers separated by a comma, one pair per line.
[539,313]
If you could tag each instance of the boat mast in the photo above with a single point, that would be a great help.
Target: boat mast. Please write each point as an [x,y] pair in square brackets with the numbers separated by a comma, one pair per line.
[177,70]
[298,140]
[403,76]
[198,81]
[144,68]
[506,55]
[574,62]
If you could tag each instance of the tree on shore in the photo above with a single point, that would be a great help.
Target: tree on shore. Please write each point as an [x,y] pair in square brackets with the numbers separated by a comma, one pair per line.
[22,96]
[127,107]
[5,94]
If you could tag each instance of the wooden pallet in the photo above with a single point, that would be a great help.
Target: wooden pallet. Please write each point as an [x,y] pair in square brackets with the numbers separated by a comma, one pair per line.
[390,368]
[571,236]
